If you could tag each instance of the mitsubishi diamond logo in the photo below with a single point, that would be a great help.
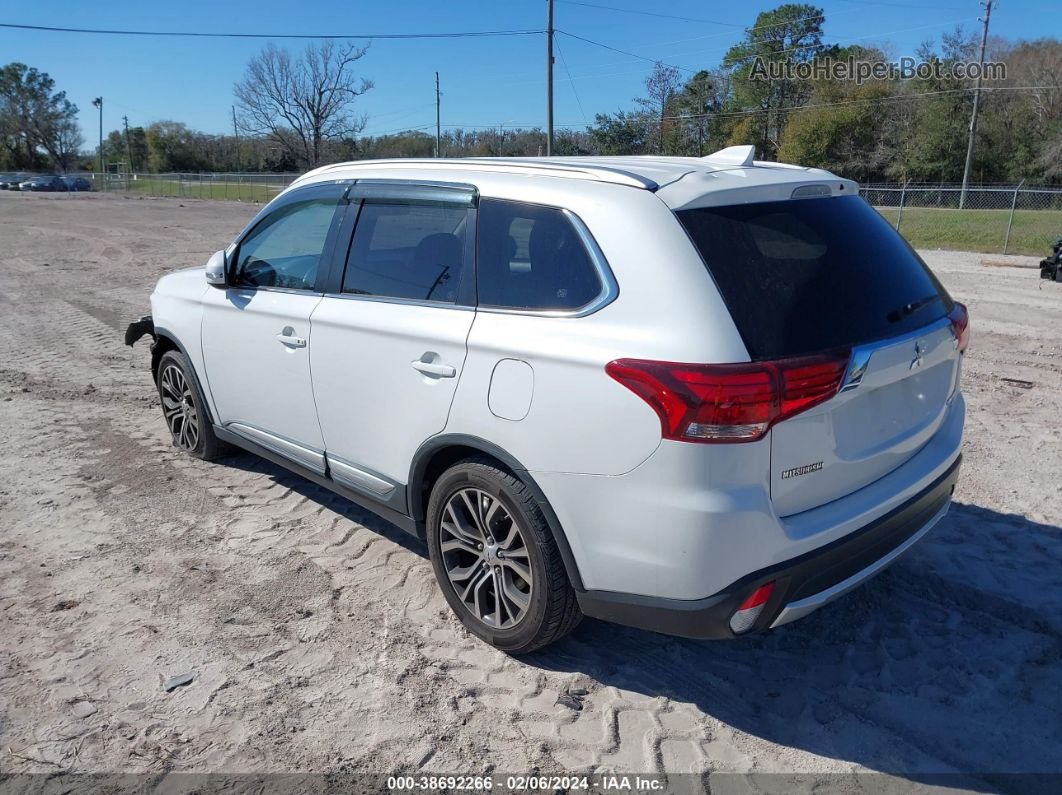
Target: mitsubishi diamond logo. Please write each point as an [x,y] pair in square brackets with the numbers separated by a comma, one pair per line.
[920,348]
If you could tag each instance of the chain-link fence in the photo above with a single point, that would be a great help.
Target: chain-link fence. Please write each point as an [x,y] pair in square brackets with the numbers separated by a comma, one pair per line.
[1008,219]
[254,187]
[232,186]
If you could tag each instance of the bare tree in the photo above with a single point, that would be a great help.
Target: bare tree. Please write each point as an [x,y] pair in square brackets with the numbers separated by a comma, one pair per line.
[302,102]
[662,84]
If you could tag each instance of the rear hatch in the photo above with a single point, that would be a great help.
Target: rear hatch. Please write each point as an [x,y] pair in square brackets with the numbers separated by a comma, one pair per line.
[816,275]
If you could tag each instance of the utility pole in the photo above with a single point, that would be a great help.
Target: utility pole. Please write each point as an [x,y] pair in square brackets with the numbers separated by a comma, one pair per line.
[98,102]
[438,120]
[236,133]
[549,77]
[128,148]
[976,102]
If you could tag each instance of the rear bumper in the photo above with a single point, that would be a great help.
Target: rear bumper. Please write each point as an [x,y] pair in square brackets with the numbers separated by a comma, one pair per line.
[802,584]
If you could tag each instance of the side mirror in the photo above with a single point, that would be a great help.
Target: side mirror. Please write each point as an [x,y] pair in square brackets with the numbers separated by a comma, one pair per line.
[215,270]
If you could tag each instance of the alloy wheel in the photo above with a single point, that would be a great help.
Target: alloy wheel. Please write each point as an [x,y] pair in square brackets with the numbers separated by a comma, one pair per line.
[178,407]
[485,556]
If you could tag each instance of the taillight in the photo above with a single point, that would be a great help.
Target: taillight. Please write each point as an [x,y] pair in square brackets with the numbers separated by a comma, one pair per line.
[730,402]
[960,325]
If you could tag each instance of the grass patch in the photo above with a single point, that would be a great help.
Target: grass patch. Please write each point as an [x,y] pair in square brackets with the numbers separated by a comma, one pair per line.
[204,189]
[978,230]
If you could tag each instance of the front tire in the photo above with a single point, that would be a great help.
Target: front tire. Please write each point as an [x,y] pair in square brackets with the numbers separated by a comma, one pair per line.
[184,409]
[495,559]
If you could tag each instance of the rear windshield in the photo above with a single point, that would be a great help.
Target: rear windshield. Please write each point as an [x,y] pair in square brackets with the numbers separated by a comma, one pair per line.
[809,275]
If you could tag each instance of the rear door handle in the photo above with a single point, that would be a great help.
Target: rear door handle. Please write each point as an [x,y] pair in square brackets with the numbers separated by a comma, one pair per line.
[291,341]
[431,368]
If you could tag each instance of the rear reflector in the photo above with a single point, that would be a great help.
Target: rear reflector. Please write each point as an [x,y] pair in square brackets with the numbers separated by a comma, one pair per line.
[749,610]
[960,325]
[721,403]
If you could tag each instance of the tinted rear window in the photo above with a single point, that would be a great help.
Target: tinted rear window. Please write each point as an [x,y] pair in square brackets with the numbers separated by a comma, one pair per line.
[531,258]
[808,275]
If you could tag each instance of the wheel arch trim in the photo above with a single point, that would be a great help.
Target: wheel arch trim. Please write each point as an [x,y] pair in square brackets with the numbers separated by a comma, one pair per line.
[161,332]
[417,504]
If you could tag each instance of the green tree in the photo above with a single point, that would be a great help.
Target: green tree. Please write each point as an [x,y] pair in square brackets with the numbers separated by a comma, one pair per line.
[621,133]
[138,149]
[1020,133]
[134,152]
[926,135]
[788,35]
[37,123]
[841,138]
[695,106]
[404,144]
[841,130]
[172,146]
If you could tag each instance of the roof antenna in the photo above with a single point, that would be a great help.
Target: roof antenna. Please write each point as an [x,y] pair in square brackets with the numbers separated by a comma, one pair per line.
[734,156]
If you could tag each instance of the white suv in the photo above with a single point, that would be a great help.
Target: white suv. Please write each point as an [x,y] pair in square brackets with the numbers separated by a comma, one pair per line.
[698,396]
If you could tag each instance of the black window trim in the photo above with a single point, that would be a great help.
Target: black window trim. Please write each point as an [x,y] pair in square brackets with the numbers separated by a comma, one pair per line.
[609,286]
[337,190]
[405,191]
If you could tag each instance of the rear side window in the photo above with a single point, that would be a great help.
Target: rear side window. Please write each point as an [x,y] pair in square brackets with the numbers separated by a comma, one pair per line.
[809,275]
[414,251]
[532,258]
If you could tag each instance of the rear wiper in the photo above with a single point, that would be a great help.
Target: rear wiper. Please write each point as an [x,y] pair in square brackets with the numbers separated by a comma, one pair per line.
[909,309]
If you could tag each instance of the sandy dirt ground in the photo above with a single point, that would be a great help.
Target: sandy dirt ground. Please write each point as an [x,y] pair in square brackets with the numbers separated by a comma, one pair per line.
[320,643]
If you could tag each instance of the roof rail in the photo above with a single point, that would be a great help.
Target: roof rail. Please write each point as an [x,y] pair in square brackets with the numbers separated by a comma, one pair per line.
[512,165]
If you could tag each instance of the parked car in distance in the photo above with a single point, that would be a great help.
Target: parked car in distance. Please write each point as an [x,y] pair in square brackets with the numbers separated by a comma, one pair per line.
[77,183]
[12,181]
[700,396]
[46,182]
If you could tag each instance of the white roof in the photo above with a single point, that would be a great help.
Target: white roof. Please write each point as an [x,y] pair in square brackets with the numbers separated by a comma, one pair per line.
[727,177]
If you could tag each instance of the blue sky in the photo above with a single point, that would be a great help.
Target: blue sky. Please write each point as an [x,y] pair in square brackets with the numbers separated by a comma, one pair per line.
[485,81]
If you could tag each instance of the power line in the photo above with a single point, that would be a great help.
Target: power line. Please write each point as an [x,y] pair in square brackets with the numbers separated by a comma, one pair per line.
[211,35]
[875,36]
[651,14]
[564,63]
[822,45]
[915,7]
[731,25]
[409,111]
[610,73]
[381,133]
[728,114]
[625,52]
[698,53]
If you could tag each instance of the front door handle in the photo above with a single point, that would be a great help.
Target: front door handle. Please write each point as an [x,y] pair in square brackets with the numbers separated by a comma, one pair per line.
[433,369]
[287,337]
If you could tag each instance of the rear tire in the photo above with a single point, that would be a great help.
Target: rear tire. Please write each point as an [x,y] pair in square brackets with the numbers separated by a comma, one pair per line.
[495,559]
[184,409]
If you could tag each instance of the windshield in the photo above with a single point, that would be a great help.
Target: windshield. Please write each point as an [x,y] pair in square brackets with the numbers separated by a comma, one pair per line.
[809,275]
